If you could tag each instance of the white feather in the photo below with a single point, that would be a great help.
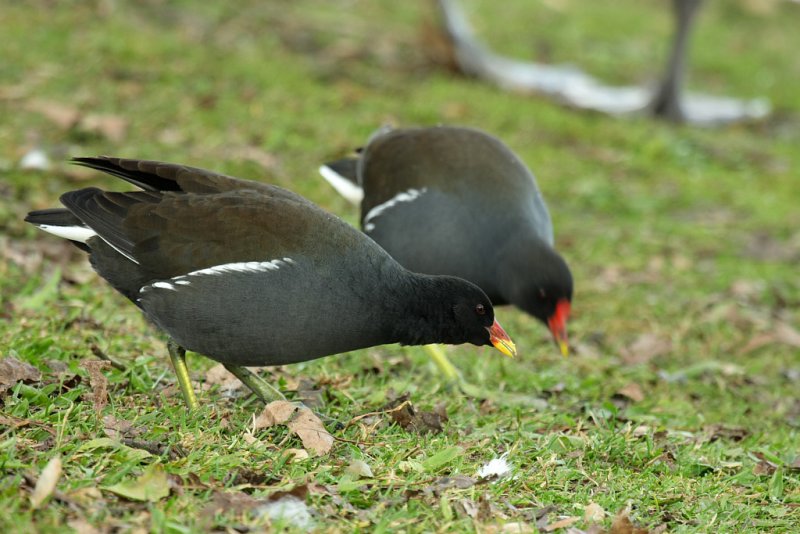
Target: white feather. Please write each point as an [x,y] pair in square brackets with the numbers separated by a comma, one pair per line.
[73,233]
[497,467]
[164,285]
[350,191]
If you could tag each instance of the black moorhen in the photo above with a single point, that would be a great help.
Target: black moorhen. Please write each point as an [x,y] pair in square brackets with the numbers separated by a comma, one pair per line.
[457,201]
[252,274]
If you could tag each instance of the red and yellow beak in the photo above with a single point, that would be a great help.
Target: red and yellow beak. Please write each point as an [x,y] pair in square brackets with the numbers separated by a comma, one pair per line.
[558,325]
[501,341]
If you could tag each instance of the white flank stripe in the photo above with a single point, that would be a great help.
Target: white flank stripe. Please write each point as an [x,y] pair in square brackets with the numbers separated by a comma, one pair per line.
[164,285]
[244,267]
[226,268]
[405,196]
[73,233]
[350,191]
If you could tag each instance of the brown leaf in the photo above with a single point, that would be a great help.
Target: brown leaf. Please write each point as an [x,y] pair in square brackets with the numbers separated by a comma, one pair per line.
[756,342]
[219,376]
[623,525]
[62,115]
[466,507]
[787,335]
[311,432]
[763,468]
[118,428]
[632,391]
[298,455]
[780,333]
[46,484]
[562,523]
[234,503]
[733,433]
[593,512]
[112,127]
[403,413]
[98,381]
[13,371]
[299,420]
[646,347]
[81,526]
[274,413]
[485,510]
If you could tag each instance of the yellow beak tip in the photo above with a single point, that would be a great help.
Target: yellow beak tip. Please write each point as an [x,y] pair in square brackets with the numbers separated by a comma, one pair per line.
[506,347]
[564,348]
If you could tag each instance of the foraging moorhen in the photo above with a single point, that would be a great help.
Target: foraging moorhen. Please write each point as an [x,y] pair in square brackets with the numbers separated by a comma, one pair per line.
[252,274]
[457,201]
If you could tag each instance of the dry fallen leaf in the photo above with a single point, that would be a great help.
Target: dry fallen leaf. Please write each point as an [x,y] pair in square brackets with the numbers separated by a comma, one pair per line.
[81,526]
[299,420]
[562,523]
[646,347]
[219,376]
[61,115]
[311,431]
[466,507]
[298,455]
[112,127]
[46,484]
[632,391]
[517,528]
[408,418]
[118,428]
[359,469]
[13,371]
[593,512]
[274,413]
[781,333]
[98,381]
[787,335]
[623,525]
[151,486]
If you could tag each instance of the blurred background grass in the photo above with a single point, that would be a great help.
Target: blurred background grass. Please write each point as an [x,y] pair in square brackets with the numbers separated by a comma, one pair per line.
[684,243]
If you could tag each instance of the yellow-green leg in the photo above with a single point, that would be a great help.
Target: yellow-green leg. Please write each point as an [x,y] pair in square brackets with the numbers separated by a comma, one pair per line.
[452,374]
[454,377]
[263,389]
[443,363]
[178,356]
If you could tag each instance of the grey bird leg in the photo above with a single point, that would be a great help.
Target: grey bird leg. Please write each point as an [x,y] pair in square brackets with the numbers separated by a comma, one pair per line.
[178,356]
[263,390]
[666,102]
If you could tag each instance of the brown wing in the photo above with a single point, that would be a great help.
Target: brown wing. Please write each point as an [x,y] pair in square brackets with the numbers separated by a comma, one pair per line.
[172,233]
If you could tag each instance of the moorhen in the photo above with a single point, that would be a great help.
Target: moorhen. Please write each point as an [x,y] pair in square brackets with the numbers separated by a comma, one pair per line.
[252,274]
[457,201]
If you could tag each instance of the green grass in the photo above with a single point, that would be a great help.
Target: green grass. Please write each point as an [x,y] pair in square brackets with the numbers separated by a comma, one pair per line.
[687,235]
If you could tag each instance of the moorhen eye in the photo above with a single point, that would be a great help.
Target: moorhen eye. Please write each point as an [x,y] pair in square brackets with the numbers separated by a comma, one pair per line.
[480,310]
